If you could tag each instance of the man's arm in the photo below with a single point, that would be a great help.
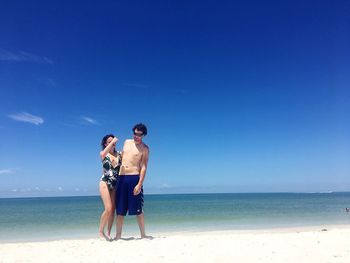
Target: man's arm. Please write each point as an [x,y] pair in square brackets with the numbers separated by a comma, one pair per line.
[144,162]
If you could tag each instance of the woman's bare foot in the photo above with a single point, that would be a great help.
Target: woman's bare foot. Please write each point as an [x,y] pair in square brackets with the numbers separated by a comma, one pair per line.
[108,238]
[103,236]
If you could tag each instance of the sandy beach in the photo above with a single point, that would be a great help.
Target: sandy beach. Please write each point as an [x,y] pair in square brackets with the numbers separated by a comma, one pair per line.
[316,244]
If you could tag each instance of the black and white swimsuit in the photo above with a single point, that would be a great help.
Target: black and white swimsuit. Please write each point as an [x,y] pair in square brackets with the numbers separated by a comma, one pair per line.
[110,170]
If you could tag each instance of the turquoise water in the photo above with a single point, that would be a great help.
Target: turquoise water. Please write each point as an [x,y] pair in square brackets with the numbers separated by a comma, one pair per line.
[29,219]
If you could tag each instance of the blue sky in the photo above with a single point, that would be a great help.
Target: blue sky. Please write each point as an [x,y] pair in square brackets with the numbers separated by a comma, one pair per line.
[238,96]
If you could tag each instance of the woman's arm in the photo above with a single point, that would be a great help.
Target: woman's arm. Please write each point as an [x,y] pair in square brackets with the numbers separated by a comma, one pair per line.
[106,150]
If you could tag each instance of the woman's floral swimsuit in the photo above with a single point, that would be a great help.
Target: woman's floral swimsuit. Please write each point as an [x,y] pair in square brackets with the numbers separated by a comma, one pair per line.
[110,171]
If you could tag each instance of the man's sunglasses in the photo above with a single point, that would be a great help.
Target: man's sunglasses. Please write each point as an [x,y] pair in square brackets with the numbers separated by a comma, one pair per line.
[138,134]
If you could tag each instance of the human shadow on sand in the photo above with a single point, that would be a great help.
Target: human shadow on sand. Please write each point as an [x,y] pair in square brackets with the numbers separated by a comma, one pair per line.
[135,238]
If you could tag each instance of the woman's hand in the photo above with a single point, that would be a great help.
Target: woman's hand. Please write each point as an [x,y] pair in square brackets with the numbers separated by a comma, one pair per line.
[111,145]
[115,140]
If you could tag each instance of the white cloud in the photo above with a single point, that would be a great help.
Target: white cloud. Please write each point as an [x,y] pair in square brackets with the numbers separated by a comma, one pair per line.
[7,171]
[23,57]
[24,190]
[165,185]
[89,121]
[27,117]
[60,188]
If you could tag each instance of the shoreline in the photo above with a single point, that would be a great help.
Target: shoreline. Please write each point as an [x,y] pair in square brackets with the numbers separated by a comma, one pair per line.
[135,234]
[311,244]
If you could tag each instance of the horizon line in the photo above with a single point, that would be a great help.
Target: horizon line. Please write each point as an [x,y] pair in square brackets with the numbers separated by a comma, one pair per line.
[185,193]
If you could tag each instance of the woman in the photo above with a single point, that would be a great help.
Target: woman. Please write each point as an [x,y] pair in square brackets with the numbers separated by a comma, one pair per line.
[111,160]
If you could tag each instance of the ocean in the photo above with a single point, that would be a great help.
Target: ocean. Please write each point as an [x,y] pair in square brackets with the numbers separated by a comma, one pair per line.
[52,218]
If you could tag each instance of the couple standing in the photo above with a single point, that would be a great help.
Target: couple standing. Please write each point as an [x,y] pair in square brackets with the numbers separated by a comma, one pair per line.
[121,181]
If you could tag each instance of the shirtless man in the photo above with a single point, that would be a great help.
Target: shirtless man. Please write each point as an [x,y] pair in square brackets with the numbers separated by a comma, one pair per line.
[131,177]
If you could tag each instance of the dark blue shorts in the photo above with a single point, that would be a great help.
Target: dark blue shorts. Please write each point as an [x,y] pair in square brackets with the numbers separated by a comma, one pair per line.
[126,200]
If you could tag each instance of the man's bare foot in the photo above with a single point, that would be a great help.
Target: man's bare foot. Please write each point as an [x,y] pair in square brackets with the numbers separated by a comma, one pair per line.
[146,237]
[117,237]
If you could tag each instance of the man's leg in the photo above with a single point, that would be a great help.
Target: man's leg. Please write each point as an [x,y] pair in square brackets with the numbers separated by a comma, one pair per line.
[141,222]
[120,221]
[121,206]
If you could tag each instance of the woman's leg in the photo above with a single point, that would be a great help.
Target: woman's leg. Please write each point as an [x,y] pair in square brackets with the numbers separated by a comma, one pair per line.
[106,199]
[112,194]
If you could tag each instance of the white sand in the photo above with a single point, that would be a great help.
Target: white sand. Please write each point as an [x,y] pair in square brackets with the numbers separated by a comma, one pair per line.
[280,246]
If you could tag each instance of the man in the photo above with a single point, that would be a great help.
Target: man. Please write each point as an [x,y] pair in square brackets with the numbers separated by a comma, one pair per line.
[132,174]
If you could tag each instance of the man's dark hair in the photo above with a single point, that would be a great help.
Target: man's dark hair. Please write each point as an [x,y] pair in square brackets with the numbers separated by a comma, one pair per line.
[140,127]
